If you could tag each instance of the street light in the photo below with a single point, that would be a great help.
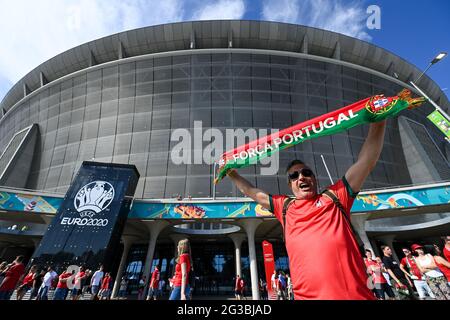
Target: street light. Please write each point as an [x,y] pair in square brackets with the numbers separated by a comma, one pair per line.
[436,59]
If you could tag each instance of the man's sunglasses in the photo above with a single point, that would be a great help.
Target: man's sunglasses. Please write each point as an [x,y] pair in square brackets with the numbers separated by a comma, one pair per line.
[304,172]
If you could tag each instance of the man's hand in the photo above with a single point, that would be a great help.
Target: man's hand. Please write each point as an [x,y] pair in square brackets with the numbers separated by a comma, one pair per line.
[368,156]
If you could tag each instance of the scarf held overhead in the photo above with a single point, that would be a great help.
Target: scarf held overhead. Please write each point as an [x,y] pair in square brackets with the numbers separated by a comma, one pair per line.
[372,109]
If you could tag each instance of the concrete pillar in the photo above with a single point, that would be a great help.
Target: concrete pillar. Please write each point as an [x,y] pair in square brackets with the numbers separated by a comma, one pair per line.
[388,240]
[154,228]
[127,242]
[237,240]
[250,226]
[359,224]
[376,250]
[36,242]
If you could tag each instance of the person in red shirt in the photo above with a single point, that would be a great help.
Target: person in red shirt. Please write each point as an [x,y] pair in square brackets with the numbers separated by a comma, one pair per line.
[78,285]
[318,236]
[27,283]
[13,274]
[61,288]
[183,264]
[238,288]
[105,289]
[153,285]
[411,270]
[242,286]
[446,249]
[443,265]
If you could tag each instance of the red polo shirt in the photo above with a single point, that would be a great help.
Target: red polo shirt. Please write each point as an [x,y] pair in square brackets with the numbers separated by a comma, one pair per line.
[324,257]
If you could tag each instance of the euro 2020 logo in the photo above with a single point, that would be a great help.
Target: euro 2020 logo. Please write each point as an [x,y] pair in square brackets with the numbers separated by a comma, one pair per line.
[93,198]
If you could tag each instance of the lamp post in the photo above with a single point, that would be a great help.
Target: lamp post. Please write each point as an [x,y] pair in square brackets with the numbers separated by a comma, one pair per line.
[214,181]
[436,59]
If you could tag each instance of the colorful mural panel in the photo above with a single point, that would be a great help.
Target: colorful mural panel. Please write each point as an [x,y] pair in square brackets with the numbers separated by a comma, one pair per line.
[181,210]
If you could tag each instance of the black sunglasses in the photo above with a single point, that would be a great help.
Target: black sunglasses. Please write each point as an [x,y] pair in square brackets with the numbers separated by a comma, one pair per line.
[304,172]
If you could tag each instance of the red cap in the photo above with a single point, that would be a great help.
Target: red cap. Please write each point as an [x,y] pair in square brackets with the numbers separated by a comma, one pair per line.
[416,246]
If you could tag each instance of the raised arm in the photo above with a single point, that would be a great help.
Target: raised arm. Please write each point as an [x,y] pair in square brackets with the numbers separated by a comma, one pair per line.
[442,261]
[250,191]
[368,156]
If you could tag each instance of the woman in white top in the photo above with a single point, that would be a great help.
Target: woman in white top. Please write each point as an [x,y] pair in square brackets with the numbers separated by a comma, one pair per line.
[434,277]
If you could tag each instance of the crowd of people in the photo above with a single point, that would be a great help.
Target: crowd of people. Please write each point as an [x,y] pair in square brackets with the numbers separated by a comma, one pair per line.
[423,272]
[418,274]
[72,282]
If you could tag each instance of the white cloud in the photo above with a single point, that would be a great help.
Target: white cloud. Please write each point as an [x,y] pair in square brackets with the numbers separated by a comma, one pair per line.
[281,10]
[222,9]
[349,18]
[35,31]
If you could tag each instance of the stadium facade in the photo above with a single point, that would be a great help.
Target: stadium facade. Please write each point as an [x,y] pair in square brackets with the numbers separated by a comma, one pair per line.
[120,98]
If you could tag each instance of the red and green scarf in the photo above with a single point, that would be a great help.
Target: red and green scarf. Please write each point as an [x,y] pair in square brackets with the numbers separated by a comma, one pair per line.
[373,109]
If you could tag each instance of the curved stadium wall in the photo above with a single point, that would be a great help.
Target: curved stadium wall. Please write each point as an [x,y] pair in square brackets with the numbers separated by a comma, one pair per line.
[124,110]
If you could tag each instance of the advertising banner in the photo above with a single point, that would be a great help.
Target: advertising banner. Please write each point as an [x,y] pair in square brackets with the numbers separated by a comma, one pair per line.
[269,267]
[87,226]
[441,122]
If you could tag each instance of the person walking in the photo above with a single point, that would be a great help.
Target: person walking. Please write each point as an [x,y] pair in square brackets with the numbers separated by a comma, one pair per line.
[237,288]
[312,221]
[96,281]
[37,282]
[61,288]
[105,291]
[27,283]
[123,288]
[13,274]
[401,284]
[411,270]
[183,266]
[141,288]
[434,277]
[290,293]
[78,283]
[47,283]
[154,284]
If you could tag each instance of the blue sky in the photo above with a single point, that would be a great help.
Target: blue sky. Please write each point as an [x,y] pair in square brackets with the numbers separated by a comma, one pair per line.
[35,31]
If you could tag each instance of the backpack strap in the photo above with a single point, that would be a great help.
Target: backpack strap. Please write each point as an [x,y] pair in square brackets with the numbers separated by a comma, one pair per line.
[338,204]
[286,204]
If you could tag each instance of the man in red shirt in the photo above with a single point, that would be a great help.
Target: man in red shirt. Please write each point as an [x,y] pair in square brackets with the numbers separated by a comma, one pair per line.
[153,286]
[318,236]
[13,274]
[61,288]
[78,284]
